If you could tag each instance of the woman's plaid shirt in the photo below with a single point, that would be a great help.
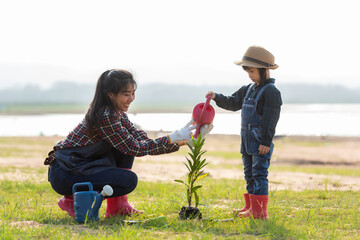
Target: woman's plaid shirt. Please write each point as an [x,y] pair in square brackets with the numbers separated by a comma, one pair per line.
[117,130]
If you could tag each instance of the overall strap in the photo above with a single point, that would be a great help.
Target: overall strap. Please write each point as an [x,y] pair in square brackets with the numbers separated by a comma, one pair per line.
[249,90]
[261,91]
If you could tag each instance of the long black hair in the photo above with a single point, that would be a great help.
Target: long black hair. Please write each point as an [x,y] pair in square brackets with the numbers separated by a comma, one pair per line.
[111,81]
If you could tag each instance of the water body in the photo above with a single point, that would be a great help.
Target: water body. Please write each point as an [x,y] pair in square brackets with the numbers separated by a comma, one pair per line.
[296,119]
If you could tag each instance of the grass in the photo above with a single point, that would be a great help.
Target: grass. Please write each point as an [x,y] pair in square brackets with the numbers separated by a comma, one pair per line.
[28,206]
[26,147]
[29,211]
[325,170]
[38,147]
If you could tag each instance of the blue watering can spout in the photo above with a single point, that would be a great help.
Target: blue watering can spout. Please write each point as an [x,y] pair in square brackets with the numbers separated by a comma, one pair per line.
[88,203]
[107,191]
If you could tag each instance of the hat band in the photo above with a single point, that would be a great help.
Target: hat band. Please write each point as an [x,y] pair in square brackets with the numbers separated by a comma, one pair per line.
[257,61]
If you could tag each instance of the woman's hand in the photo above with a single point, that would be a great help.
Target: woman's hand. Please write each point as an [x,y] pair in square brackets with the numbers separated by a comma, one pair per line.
[263,149]
[211,94]
[204,130]
[183,134]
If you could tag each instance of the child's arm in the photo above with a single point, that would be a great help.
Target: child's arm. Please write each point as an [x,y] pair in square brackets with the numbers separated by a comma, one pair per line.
[232,103]
[270,114]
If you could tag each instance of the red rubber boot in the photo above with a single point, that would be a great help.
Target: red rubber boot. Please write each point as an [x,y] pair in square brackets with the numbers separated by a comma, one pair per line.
[247,204]
[258,209]
[259,206]
[66,203]
[120,206]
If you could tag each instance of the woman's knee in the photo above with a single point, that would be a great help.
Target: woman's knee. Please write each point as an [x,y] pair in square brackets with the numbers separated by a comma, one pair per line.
[133,181]
[125,183]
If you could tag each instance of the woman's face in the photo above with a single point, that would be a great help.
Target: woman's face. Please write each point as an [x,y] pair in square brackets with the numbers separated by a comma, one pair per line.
[254,74]
[123,99]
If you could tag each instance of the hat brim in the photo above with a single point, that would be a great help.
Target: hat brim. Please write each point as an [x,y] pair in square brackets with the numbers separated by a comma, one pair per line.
[252,64]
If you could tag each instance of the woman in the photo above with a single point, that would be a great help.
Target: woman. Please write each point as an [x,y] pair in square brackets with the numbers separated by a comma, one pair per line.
[261,104]
[101,149]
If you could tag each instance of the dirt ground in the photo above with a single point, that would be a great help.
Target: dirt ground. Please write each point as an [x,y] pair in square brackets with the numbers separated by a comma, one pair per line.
[308,152]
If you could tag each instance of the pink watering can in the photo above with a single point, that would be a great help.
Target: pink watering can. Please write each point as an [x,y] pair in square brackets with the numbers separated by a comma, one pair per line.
[203,113]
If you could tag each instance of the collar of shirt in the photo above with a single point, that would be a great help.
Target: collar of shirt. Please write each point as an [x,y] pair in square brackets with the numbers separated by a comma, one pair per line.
[263,83]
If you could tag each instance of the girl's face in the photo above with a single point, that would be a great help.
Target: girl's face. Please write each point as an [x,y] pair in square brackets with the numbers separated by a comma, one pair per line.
[123,99]
[254,74]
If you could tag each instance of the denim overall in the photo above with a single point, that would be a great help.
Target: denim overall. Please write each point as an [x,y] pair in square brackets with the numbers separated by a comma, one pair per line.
[255,165]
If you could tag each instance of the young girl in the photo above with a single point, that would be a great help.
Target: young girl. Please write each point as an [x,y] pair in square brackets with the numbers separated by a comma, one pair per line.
[101,149]
[260,103]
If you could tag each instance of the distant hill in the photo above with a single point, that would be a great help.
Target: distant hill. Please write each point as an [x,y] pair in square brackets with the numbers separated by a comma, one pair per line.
[167,96]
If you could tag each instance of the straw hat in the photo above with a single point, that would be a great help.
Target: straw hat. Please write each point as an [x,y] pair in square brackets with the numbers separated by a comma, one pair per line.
[259,57]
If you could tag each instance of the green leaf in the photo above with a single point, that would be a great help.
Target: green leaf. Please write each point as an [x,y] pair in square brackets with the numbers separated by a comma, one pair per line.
[194,189]
[190,163]
[187,167]
[192,156]
[202,164]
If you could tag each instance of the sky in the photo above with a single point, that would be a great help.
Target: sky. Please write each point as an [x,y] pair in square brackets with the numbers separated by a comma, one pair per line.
[174,42]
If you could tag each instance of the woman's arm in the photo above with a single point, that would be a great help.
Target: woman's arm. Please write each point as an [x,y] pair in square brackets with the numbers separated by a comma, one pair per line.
[138,134]
[112,130]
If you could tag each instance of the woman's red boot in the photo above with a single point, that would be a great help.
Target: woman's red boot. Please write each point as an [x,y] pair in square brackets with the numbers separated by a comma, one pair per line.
[66,203]
[120,206]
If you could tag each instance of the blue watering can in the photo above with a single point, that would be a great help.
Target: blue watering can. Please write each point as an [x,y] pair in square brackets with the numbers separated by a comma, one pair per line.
[88,203]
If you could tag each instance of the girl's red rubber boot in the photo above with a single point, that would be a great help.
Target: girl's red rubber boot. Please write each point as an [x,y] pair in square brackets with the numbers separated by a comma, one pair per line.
[247,204]
[258,209]
[66,203]
[259,206]
[120,206]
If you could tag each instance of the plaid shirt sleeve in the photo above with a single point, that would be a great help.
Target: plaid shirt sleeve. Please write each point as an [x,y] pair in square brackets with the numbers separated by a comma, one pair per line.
[123,136]
[138,134]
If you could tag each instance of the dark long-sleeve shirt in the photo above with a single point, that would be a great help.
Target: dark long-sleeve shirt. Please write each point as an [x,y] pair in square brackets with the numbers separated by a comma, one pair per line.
[268,107]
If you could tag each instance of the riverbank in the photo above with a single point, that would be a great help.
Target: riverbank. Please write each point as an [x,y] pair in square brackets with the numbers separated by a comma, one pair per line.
[298,163]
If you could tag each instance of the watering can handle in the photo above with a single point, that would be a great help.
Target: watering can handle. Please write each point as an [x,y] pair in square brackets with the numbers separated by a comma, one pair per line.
[207,102]
[82,184]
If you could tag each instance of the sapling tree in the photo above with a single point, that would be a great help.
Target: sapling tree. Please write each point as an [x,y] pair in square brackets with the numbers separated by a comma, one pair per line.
[195,166]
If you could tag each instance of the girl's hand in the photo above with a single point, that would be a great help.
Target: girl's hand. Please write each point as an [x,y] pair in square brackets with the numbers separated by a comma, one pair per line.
[263,149]
[211,94]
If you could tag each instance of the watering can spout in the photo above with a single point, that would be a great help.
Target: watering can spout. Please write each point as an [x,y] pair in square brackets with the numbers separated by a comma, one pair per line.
[107,191]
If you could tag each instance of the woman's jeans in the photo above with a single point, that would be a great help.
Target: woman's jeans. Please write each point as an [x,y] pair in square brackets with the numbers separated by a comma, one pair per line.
[256,172]
[121,180]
